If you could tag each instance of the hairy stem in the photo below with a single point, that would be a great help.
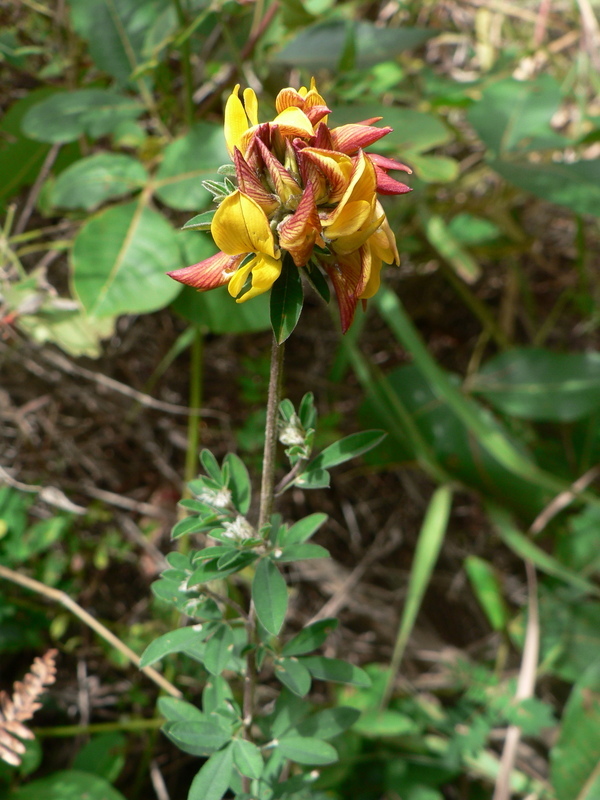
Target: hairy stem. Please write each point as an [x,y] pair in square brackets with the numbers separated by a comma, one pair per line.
[268,470]
[267,492]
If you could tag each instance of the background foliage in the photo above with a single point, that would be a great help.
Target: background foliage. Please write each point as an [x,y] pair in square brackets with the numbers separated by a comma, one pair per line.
[111,121]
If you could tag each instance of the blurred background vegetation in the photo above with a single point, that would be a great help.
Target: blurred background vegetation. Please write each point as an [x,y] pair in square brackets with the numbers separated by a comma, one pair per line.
[478,357]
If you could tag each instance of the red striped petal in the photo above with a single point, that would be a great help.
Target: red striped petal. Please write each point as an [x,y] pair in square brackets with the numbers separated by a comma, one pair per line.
[351,138]
[388,163]
[346,277]
[316,113]
[387,185]
[299,232]
[250,184]
[210,273]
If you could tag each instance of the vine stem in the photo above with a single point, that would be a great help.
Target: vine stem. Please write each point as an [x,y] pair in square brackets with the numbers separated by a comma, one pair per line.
[267,493]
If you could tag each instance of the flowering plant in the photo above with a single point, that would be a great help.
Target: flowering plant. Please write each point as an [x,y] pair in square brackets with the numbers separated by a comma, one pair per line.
[305,201]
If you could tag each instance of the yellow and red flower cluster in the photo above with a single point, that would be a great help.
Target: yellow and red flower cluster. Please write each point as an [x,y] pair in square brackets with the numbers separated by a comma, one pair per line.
[305,189]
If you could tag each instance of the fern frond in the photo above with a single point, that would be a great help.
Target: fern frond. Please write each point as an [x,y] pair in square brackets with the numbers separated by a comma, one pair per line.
[23,704]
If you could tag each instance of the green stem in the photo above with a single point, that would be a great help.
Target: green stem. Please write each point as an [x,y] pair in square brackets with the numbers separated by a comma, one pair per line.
[267,492]
[267,489]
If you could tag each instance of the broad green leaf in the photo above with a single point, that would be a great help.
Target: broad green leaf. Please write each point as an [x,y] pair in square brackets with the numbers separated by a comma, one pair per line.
[432,169]
[120,258]
[247,758]
[302,530]
[218,650]
[21,158]
[269,593]
[310,638]
[239,482]
[187,162]
[287,298]
[197,738]
[301,552]
[115,31]
[175,709]
[66,116]
[533,383]
[293,674]
[307,750]
[102,755]
[487,591]
[329,723]
[177,641]
[73,331]
[217,312]
[347,448]
[472,230]
[322,45]
[515,115]
[91,181]
[212,781]
[573,185]
[69,784]
[575,758]
[336,670]
[441,238]
[413,131]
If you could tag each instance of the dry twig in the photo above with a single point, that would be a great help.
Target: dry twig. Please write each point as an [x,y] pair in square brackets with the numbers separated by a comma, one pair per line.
[63,598]
[22,706]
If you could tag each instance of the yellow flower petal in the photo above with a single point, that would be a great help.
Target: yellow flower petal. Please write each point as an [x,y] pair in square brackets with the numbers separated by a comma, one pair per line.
[236,120]
[265,271]
[241,226]
[293,122]
[352,242]
[238,280]
[383,242]
[374,279]
[349,220]
[251,105]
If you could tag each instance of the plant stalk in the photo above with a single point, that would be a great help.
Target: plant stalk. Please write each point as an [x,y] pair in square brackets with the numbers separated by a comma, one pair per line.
[267,489]
[267,493]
